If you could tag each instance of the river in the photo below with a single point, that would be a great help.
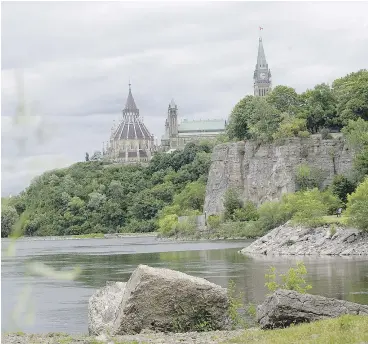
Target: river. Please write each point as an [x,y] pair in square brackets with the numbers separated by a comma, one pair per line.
[61,306]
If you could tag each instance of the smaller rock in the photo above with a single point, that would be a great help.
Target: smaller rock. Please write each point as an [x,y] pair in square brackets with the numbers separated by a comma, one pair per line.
[102,307]
[285,307]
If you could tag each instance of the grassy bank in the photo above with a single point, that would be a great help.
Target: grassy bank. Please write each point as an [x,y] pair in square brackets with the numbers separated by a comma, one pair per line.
[347,329]
[343,330]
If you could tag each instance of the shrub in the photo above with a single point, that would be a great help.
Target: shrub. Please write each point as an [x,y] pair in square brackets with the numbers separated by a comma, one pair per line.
[273,214]
[308,177]
[307,207]
[214,221]
[231,203]
[290,126]
[342,186]
[294,279]
[247,213]
[357,207]
[304,134]
[167,225]
[187,227]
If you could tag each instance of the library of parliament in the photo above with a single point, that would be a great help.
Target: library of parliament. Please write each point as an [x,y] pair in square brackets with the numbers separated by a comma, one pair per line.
[131,142]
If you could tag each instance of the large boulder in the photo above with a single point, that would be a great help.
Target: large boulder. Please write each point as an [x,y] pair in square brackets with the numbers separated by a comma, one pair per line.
[102,307]
[285,307]
[170,301]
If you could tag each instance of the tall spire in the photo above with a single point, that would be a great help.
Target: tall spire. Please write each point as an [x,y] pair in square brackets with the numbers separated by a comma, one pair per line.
[261,58]
[130,103]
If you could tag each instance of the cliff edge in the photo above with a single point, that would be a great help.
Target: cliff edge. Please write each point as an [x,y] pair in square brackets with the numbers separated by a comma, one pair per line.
[264,172]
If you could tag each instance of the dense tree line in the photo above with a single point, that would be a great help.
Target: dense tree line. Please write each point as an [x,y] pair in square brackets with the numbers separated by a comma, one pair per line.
[285,113]
[95,197]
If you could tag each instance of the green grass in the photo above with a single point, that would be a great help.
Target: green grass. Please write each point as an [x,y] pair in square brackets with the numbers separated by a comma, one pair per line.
[343,330]
[329,219]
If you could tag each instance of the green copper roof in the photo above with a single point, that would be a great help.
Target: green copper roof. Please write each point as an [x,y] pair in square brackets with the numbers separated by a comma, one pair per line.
[212,125]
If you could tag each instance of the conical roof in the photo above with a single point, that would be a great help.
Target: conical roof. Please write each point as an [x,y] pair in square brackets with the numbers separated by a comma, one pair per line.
[261,58]
[130,105]
[131,126]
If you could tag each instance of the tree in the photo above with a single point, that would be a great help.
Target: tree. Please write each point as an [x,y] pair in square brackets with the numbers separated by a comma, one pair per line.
[239,117]
[319,108]
[232,202]
[290,126]
[87,156]
[357,207]
[192,197]
[284,99]
[342,187]
[9,217]
[97,156]
[264,120]
[351,93]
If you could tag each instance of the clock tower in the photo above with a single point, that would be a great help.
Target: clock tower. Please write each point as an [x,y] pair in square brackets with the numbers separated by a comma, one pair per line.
[262,75]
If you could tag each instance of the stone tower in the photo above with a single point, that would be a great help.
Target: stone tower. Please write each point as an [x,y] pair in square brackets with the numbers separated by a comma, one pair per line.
[262,74]
[172,118]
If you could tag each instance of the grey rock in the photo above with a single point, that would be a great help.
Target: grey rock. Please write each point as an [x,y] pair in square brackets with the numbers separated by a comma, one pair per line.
[285,307]
[102,307]
[265,172]
[310,241]
[170,301]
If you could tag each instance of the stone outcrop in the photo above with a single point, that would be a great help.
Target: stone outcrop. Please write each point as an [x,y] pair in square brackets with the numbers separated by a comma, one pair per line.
[264,172]
[159,300]
[170,301]
[298,240]
[285,307]
[102,307]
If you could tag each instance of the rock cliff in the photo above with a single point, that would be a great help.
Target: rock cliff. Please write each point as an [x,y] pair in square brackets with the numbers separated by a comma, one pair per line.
[264,172]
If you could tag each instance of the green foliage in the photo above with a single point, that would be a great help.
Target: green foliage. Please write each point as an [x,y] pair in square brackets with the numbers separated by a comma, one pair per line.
[291,126]
[319,108]
[239,117]
[351,93]
[273,214]
[307,207]
[307,177]
[342,186]
[247,213]
[192,197]
[214,221]
[356,133]
[97,197]
[168,224]
[294,279]
[235,304]
[232,202]
[357,207]
[284,99]
[264,120]
[9,217]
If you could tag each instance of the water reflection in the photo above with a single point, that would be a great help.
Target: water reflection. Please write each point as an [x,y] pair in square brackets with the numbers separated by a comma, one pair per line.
[62,305]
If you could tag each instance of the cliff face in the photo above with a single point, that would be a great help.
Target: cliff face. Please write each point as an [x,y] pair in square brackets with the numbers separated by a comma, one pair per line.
[264,172]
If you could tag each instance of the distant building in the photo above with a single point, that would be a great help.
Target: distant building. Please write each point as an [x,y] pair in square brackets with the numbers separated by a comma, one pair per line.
[130,141]
[177,135]
[262,74]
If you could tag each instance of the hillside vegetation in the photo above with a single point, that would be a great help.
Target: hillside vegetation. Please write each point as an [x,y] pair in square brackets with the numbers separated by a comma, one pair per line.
[97,197]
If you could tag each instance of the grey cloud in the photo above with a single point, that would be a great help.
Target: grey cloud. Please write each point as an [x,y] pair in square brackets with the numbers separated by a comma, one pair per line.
[77,58]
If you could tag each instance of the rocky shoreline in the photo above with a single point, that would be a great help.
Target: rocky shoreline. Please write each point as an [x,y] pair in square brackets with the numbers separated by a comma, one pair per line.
[211,337]
[299,240]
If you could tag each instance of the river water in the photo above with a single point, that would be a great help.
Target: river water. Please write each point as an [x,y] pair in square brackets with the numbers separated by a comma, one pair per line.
[38,304]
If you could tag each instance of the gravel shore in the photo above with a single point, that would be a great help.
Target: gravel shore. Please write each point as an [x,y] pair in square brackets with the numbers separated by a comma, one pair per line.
[213,337]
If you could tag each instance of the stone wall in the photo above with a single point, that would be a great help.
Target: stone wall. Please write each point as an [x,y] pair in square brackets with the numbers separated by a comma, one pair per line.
[264,172]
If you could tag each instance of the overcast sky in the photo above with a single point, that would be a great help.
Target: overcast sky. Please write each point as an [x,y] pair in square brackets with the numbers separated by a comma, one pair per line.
[76,59]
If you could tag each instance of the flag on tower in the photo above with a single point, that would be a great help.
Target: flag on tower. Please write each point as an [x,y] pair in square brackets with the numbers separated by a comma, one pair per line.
[261,28]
